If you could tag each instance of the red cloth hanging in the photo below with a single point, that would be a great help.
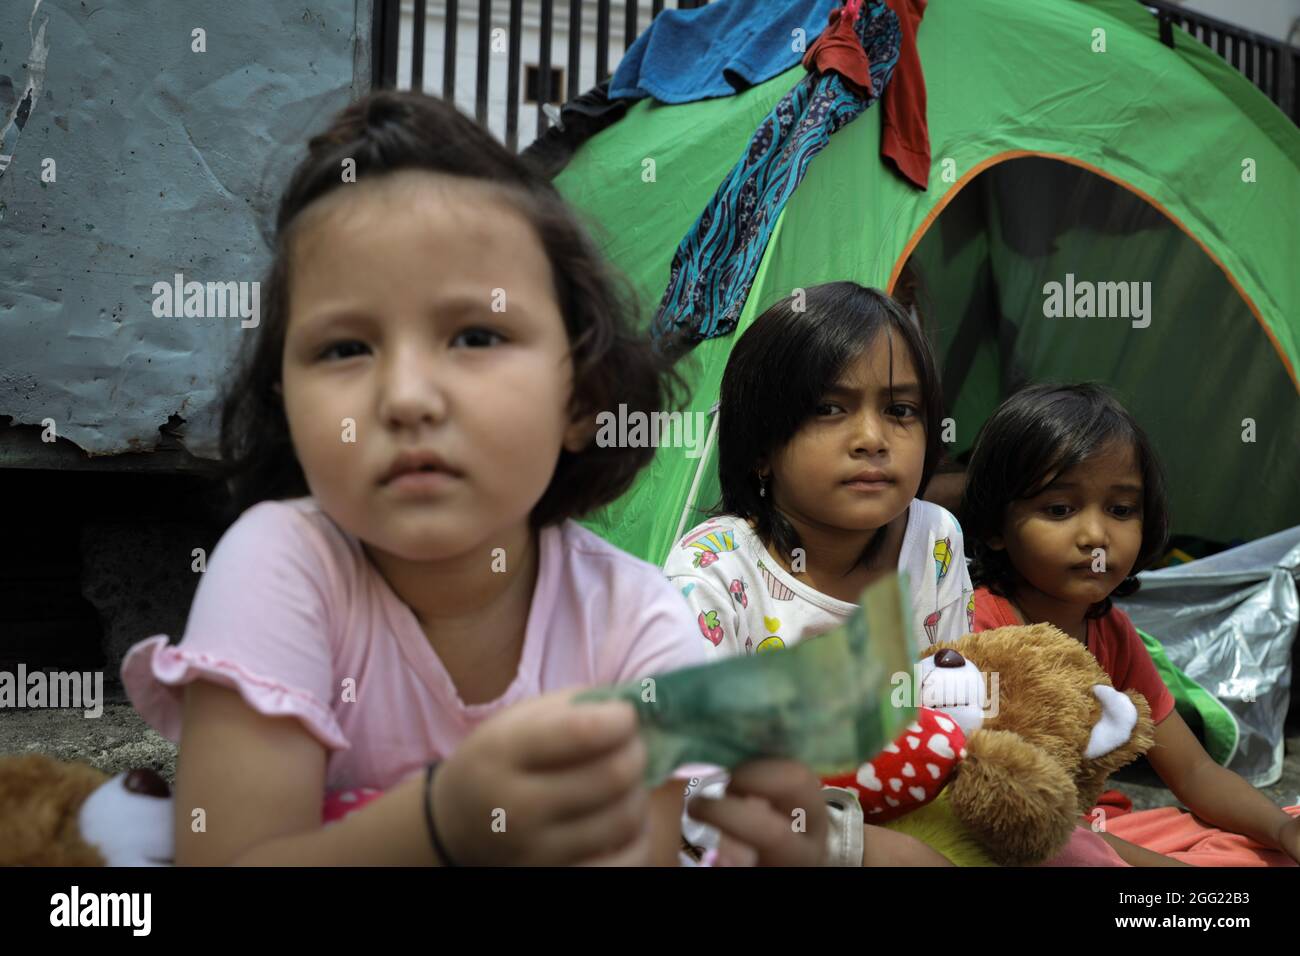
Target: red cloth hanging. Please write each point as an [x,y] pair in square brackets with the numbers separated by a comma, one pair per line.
[906,138]
[839,49]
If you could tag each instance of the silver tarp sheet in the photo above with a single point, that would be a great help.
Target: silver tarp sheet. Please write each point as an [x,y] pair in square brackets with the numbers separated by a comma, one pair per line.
[1229,622]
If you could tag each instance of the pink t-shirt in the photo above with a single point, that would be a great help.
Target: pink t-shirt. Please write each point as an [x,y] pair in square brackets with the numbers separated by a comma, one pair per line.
[291,613]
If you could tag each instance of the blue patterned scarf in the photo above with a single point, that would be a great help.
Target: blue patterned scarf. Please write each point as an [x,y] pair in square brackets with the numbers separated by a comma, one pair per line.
[714,265]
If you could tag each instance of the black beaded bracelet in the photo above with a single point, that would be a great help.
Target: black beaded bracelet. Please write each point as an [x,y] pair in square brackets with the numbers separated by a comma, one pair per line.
[438,847]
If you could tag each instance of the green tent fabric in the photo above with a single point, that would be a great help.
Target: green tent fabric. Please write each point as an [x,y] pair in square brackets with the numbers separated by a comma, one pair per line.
[1018,93]
[1199,708]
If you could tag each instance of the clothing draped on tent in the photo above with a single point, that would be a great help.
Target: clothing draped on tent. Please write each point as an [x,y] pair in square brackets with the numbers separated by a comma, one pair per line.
[731,45]
[906,141]
[717,49]
[715,263]
[580,119]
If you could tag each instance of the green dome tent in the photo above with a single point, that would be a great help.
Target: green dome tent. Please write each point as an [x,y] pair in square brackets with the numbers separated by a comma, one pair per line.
[1069,145]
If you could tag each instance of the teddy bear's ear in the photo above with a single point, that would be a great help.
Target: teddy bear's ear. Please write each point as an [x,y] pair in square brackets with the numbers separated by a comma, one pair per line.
[1109,747]
[1014,798]
[1119,715]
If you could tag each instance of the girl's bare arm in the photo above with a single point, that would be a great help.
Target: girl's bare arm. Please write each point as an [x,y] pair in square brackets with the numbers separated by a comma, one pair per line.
[571,774]
[1215,794]
[261,780]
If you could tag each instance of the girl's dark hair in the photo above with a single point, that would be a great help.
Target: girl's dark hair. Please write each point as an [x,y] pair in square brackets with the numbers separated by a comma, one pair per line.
[778,374]
[1036,434]
[389,131]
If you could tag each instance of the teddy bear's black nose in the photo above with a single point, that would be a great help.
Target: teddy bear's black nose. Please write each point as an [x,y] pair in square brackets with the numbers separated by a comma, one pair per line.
[141,780]
[949,658]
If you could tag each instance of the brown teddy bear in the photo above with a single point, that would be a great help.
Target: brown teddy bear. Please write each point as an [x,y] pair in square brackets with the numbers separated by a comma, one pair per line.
[54,813]
[1039,729]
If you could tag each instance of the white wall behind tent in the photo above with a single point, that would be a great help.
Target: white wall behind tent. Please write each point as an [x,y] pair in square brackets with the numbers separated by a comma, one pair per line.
[1279,19]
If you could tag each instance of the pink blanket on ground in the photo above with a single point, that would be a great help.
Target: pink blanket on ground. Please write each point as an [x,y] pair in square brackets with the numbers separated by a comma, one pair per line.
[1178,834]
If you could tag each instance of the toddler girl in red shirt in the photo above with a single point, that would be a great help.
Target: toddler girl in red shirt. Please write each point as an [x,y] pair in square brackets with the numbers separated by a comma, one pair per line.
[1064,503]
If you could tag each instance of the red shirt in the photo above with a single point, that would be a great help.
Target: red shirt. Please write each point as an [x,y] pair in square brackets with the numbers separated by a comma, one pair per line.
[1113,641]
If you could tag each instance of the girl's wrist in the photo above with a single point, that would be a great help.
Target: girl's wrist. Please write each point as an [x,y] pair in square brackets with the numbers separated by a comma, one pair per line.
[1280,831]
[430,803]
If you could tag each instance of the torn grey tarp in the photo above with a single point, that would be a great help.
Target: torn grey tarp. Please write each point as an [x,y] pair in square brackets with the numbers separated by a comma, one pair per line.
[1229,622]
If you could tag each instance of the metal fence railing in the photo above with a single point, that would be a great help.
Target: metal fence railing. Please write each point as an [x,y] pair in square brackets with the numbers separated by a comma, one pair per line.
[612,20]
[1272,66]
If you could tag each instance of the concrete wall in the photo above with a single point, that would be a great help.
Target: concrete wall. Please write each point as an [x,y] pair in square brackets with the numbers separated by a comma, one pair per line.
[134,157]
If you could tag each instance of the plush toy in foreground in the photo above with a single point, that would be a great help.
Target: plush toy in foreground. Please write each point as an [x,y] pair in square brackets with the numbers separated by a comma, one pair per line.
[1023,726]
[54,813]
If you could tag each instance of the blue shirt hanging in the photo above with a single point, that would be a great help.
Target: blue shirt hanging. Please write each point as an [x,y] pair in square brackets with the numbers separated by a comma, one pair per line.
[718,49]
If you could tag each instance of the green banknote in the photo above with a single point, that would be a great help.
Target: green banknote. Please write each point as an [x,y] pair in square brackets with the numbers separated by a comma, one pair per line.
[824,702]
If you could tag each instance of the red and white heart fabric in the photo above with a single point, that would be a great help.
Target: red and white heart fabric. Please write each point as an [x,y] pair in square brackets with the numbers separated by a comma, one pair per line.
[911,771]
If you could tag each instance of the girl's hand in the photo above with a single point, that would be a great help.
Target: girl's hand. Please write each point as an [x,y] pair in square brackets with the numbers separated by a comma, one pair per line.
[547,782]
[773,814]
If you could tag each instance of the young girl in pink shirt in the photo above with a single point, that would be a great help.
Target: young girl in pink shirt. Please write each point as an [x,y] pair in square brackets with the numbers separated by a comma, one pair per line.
[398,608]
